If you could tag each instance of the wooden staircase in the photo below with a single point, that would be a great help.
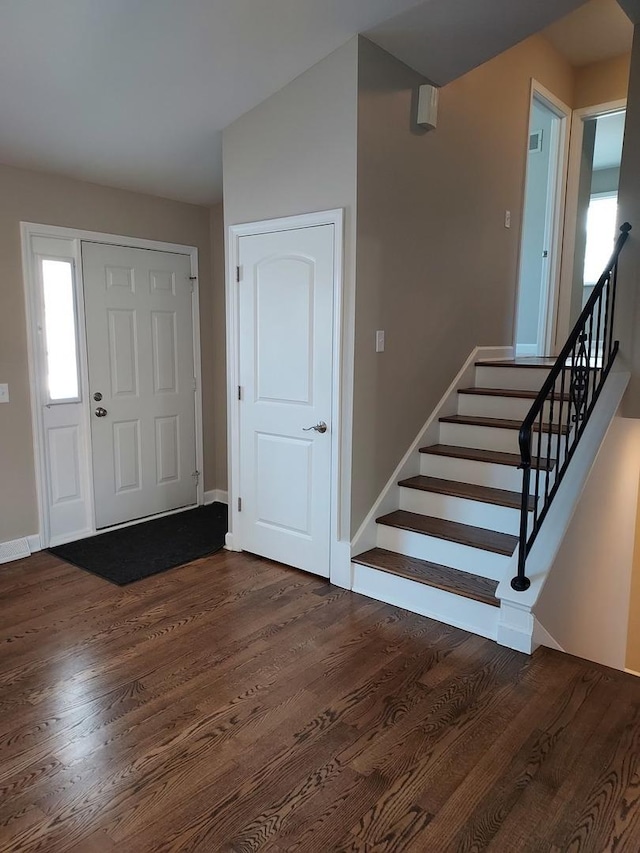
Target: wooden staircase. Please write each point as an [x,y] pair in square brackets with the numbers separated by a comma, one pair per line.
[455,530]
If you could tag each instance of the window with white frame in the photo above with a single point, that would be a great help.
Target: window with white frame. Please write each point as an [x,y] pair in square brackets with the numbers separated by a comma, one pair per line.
[601,235]
[60,330]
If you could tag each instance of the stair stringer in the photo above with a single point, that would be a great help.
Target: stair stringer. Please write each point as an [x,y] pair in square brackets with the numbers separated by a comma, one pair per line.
[518,626]
[389,498]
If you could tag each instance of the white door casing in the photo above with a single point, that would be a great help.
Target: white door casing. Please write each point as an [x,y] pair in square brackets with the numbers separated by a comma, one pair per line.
[285,300]
[139,327]
[62,430]
[546,295]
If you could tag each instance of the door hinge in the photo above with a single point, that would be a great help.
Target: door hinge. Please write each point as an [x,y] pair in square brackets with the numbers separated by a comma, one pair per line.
[238,273]
[196,477]
[239,392]
[239,504]
[192,282]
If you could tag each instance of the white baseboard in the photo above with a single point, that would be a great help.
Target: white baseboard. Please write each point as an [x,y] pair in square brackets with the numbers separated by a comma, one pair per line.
[216,496]
[340,572]
[35,543]
[15,549]
[631,671]
[543,638]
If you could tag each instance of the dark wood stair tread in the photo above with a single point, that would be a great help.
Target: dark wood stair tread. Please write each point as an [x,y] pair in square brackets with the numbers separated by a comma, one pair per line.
[475,454]
[470,491]
[531,361]
[453,531]
[508,392]
[431,574]
[499,423]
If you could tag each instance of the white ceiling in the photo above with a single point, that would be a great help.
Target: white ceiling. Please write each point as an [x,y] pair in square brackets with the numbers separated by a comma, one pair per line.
[607,153]
[136,94]
[597,30]
[444,39]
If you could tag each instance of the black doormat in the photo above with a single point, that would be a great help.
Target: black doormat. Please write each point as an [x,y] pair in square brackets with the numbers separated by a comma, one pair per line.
[127,555]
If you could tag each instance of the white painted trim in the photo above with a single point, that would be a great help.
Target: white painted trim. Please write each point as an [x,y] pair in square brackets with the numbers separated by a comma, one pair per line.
[29,230]
[515,628]
[563,325]
[632,672]
[34,543]
[216,496]
[366,536]
[541,637]
[555,218]
[342,369]
[546,546]
[85,534]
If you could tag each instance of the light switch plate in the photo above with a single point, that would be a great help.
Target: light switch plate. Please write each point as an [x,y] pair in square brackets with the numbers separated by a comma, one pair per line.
[380,341]
[4,392]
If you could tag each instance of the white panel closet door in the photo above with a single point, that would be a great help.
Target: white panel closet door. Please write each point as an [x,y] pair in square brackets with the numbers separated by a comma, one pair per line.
[139,325]
[286,346]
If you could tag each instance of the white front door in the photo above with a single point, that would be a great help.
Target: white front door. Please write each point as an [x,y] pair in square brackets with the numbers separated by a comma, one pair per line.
[139,324]
[286,345]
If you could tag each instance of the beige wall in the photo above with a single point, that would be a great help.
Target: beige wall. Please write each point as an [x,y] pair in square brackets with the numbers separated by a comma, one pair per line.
[296,153]
[633,636]
[628,304]
[436,269]
[628,311]
[52,200]
[601,82]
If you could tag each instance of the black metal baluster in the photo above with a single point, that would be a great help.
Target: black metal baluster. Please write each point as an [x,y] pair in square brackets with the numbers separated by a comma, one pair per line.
[538,465]
[606,337]
[521,582]
[579,358]
[614,286]
[572,405]
[560,426]
[590,365]
[597,373]
[549,442]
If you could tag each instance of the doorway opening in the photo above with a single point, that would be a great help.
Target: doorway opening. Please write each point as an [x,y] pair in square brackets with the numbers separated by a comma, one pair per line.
[541,223]
[602,138]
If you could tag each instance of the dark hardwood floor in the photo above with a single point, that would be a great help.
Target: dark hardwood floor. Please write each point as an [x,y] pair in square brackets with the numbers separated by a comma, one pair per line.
[236,705]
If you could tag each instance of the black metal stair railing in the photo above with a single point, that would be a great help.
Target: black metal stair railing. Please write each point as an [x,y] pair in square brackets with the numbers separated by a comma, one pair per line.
[551,431]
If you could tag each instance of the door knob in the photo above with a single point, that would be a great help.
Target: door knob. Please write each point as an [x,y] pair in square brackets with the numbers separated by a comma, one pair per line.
[100,412]
[321,427]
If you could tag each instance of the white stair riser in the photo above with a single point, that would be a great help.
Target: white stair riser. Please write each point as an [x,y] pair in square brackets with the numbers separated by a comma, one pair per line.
[470,471]
[442,551]
[512,408]
[492,438]
[514,378]
[479,514]
[464,613]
